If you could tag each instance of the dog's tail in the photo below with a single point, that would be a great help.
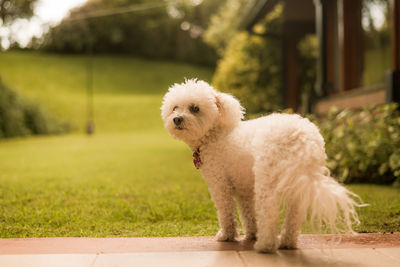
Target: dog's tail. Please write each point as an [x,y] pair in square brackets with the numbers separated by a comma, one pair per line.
[333,204]
[329,203]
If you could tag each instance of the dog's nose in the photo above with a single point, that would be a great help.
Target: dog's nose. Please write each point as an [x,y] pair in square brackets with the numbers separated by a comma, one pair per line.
[178,120]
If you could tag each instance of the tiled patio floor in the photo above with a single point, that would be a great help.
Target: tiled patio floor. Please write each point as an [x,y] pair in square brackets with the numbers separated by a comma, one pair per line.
[315,250]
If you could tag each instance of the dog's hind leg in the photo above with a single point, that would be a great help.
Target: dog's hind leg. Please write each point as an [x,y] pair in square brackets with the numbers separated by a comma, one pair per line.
[267,201]
[296,214]
[267,210]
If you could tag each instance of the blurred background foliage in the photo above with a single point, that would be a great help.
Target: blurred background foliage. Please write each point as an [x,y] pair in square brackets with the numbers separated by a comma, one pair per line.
[251,67]
[363,146]
[11,10]
[224,24]
[377,55]
[20,117]
[308,53]
[172,32]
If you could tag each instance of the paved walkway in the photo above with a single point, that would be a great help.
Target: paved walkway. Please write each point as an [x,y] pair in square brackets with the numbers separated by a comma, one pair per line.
[314,250]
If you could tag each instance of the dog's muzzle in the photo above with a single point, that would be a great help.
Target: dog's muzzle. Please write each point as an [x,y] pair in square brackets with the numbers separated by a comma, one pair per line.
[178,120]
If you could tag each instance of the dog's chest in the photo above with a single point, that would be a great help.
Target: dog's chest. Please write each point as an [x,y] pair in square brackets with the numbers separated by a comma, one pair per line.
[230,161]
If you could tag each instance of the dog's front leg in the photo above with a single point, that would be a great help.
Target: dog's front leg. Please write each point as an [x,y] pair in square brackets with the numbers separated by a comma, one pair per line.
[247,216]
[222,196]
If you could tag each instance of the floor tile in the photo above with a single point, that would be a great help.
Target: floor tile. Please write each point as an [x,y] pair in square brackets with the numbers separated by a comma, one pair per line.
[281,258]
[86,245]
[48,260]
[364,257]
[175,259]
[393,253]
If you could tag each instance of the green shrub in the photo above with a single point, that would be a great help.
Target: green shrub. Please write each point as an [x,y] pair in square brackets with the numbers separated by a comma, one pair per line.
[363,145]
[19,117]
[224,24]
[249,71]
[308,54]
[252,65]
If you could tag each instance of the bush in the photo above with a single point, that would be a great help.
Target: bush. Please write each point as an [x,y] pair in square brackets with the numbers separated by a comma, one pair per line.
[308,54]
[19,117]
[249,72]
[251,67]
[364,145]
[224,24]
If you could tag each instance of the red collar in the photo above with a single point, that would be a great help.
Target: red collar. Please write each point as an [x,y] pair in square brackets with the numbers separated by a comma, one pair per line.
[196,159]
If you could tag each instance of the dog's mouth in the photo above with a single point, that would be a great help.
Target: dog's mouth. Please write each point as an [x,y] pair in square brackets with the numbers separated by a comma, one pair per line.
[180,128]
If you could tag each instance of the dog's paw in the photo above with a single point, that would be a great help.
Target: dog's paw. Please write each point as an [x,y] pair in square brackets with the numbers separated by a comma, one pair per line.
[288,246]
[250,237]
[288,243]
[265,247]
[226,236]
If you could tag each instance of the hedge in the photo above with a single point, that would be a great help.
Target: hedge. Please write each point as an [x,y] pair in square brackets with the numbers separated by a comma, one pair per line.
[363,146]
[20,117]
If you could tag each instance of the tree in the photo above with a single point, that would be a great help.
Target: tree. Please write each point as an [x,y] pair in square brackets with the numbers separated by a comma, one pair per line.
[10,10]
[13,9]
[171,31]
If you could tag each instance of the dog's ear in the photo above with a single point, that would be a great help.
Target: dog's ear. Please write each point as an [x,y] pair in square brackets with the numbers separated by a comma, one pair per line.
[231,112]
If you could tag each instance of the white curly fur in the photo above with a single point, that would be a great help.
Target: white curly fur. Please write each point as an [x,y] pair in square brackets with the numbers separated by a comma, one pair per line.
[258,164]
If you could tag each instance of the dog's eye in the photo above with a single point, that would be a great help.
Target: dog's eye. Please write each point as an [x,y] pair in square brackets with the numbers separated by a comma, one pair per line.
[194,109]
[174,108]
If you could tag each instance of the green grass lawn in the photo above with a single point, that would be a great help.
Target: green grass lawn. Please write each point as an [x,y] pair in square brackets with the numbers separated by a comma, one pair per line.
[130,178]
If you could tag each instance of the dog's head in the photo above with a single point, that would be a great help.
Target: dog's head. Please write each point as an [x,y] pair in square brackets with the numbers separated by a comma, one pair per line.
[193,108]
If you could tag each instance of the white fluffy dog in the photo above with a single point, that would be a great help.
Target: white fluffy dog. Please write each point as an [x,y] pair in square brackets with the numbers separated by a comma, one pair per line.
[257,163]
